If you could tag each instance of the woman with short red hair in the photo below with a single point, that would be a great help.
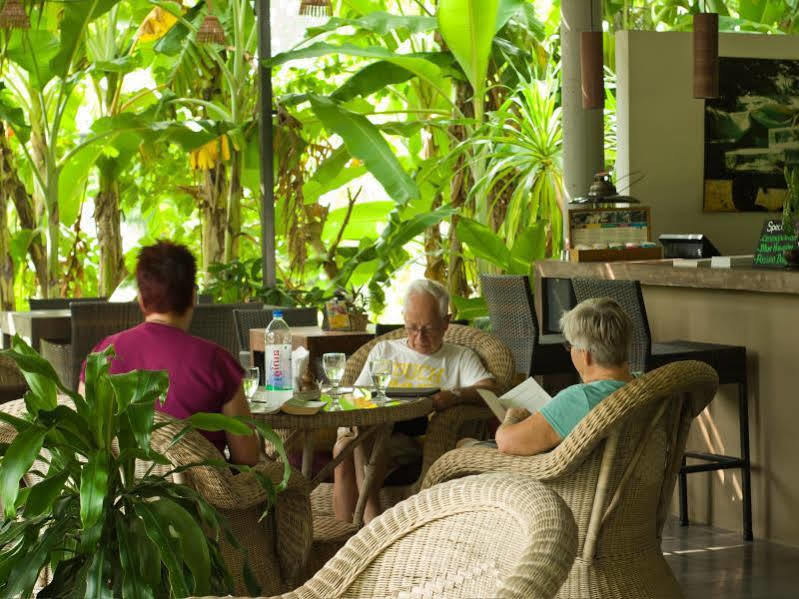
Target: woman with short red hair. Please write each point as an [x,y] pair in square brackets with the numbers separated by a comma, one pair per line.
[203,377]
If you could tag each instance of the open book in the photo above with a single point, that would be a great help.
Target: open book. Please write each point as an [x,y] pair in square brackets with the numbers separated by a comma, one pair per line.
[528,395]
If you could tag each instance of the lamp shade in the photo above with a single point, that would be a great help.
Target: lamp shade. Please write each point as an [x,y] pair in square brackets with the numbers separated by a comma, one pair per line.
[591,69]
[316,8]
[13,16]
[706,55]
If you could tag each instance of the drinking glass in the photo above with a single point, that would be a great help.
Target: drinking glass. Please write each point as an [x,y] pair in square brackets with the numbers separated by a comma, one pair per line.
[252,377]
[333,364]
[380,369]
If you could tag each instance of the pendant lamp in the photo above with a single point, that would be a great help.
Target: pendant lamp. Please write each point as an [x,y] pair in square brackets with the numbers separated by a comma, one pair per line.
[706,55]
[316,8]
[13,16]
[210,32]
[591,69]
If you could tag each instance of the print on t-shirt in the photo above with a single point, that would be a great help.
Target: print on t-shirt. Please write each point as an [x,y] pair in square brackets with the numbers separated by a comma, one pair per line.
[451,367]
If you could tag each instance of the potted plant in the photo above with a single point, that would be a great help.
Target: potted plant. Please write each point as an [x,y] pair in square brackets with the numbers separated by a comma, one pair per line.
[789,212]
[346,311]
[97,527]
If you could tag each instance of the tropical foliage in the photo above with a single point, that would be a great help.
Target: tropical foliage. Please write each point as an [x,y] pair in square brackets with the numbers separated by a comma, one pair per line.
[394,119]
[101,529]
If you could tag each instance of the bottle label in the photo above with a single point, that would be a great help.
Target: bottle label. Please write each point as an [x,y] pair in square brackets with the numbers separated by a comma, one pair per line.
[278,367]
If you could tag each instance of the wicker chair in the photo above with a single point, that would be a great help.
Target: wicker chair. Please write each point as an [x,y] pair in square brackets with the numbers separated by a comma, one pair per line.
[91,322]
[616,471]
[493,535]
[446,427]
[12,383]
[515,322]
[728,360]
[214,322]
[276,548]
[59,303]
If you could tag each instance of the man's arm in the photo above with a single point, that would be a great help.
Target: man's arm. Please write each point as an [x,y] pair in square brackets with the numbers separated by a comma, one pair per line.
[448,398]
[530,436]
[243,448]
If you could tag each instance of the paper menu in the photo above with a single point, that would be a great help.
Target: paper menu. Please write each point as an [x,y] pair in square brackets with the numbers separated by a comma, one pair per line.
[528,395]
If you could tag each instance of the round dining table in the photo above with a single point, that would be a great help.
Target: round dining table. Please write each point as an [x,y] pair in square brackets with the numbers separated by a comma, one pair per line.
[372,420]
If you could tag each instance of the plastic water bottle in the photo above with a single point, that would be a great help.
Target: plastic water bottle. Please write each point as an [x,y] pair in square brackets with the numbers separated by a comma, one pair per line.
[277,359]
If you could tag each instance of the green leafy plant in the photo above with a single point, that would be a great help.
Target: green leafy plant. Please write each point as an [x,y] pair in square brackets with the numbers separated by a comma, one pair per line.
[102,530]
[791,205]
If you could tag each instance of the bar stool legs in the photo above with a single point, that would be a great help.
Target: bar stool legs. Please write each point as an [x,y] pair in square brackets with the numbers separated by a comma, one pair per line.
[718,462]
[746,485]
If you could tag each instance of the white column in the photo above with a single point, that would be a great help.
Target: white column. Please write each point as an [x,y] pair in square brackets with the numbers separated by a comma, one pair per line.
[583,141]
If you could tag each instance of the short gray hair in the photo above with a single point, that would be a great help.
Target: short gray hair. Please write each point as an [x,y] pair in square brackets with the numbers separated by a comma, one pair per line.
[600,326]
[432,288]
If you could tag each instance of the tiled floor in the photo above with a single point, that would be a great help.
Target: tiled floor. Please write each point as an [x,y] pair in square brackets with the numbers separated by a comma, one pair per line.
[711,563]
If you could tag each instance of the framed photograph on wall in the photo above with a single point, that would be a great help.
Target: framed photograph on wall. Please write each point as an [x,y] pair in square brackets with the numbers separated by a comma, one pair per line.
[751,134]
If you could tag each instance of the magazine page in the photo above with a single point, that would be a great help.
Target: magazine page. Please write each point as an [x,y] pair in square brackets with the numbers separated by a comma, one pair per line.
[528,395]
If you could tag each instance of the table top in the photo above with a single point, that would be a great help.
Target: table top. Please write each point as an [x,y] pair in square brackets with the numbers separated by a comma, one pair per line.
[360,412]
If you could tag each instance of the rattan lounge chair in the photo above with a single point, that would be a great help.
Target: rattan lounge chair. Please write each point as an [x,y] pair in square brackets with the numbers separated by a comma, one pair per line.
[277,548]
[616,471]
[445,427]
[12,383]
[493,535]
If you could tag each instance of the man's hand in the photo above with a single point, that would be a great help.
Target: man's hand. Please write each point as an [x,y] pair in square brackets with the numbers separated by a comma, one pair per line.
[443,400]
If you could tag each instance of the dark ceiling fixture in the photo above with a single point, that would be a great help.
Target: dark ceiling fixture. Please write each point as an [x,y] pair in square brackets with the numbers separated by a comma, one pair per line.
[706,55]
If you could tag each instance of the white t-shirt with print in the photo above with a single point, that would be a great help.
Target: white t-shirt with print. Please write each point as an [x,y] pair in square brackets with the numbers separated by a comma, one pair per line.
[451,367]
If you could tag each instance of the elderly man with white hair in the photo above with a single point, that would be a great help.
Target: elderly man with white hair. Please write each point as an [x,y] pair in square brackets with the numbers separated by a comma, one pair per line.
[421,359]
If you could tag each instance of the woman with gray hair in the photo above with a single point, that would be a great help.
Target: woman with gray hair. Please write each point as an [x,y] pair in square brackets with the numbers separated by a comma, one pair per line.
[598,335]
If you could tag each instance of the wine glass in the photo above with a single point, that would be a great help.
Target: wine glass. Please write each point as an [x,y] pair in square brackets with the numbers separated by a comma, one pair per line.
[380,369]
[252,377]
[333,364]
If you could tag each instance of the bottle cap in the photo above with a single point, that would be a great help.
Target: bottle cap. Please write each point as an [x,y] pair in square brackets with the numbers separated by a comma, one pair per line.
[277,313]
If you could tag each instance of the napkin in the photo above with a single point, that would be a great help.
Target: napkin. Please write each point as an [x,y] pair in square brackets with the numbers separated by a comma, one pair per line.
[299,364]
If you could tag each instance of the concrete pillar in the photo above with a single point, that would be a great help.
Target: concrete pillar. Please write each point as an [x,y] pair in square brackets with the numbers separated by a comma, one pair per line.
[583,140]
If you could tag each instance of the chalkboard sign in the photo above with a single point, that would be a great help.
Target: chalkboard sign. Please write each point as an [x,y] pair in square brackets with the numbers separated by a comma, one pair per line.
[773,241]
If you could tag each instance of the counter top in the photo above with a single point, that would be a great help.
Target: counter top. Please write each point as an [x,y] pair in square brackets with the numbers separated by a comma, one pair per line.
[662,273]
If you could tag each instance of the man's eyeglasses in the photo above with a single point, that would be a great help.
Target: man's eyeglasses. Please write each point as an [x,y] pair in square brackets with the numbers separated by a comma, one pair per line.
[424,331]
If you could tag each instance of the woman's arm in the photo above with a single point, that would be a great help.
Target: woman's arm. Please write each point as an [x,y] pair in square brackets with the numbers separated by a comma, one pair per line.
[243,448]
[530,436]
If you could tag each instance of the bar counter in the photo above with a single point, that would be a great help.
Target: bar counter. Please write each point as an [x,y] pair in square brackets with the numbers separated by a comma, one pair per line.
[757,308]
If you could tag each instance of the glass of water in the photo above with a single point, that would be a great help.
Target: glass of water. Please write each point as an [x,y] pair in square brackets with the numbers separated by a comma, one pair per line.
[252,377]
[380,369]
[333,364]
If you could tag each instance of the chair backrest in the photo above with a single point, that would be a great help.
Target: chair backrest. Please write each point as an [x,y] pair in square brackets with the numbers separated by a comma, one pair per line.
[513,318]
[260,319]
[382,328]
[617,468]
[92,322]
[628,295]
[12,383]
[515,539]
[59,303]
[214,322]
[497,358]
